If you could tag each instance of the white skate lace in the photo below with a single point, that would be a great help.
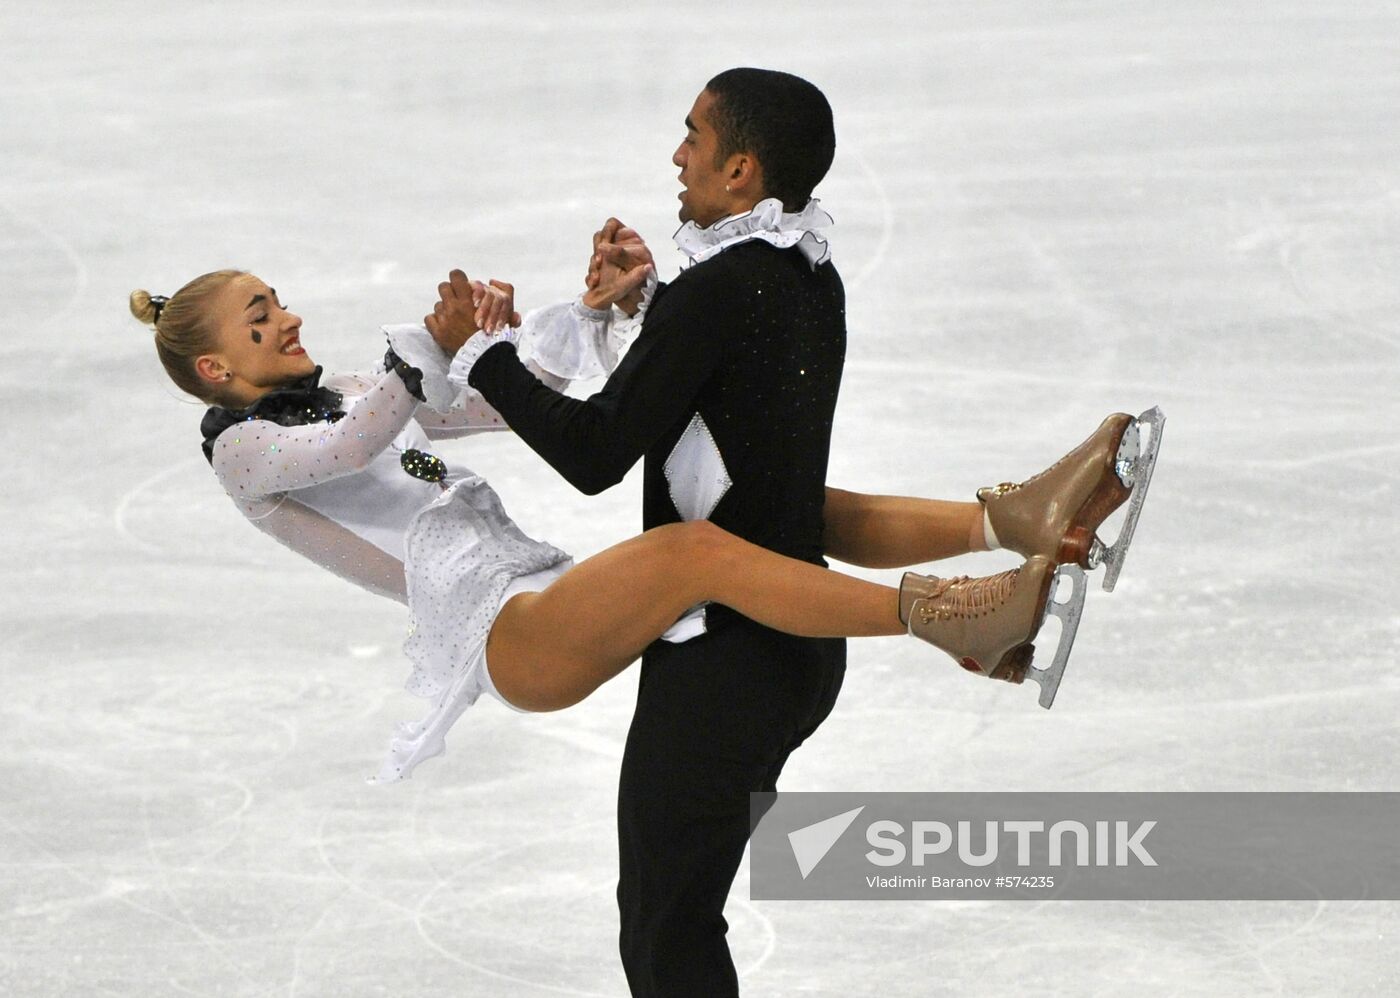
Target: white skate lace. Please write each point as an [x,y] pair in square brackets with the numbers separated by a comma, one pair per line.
[963,596]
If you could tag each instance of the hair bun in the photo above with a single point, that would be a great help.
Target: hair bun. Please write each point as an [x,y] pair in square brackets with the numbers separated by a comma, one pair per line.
[146,306]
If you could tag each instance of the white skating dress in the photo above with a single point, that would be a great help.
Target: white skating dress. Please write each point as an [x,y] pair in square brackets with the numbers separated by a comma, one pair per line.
[337,491]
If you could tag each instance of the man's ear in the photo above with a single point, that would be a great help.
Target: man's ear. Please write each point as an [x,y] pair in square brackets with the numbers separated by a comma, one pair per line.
[744,175]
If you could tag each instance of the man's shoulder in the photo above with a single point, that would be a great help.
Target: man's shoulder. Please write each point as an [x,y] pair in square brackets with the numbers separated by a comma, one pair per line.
[714,280]
[749,261]
[729,283]
[721,266]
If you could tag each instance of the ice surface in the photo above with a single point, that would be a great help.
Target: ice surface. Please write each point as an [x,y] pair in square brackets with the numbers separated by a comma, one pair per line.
[1045,213]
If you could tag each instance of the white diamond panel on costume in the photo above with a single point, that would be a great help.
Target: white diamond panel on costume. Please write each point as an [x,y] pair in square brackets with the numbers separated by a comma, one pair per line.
[696,473]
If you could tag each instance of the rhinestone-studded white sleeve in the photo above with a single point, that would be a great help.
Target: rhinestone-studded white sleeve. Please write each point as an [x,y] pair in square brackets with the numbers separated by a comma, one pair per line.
[335,548]
[258,458]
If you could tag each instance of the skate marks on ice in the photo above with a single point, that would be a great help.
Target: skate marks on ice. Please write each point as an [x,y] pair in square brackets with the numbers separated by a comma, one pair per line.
[1185,949]
[1232,656]
[465,881]
[876,257]
[70,278]
[148,504]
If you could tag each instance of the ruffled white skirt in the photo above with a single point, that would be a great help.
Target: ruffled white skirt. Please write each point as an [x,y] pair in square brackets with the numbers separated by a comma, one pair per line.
[463,557]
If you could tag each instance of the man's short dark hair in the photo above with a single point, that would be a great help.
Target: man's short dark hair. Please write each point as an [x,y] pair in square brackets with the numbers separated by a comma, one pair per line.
[780,119]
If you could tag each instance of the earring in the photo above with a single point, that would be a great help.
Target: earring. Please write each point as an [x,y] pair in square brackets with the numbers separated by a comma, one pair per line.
[227,375]
[726,189]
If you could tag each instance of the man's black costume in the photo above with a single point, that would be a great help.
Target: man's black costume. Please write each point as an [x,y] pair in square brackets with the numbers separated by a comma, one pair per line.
[728,392]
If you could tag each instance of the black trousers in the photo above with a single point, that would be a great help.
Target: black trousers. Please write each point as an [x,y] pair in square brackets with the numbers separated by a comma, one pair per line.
[716,720]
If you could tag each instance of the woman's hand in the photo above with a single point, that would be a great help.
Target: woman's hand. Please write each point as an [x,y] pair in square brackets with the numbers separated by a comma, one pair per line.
[466,307]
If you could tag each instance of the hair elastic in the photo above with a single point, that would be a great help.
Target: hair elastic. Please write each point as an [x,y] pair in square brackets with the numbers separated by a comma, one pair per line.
[157,302]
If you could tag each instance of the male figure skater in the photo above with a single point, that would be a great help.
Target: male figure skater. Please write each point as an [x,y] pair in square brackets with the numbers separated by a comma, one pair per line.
[728,393]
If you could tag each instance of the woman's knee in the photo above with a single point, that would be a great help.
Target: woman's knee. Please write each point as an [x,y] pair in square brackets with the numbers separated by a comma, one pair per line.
[696,542]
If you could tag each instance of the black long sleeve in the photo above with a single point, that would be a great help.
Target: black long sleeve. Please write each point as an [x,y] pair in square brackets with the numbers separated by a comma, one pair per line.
[753,341]
[593,443]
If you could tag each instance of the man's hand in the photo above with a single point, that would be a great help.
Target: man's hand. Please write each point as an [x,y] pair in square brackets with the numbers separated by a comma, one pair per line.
[466,307]
[619,267]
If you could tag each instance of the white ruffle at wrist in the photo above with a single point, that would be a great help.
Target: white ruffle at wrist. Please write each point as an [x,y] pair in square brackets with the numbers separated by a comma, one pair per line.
[766,221]
[626,326]
[570,340]
[461,367]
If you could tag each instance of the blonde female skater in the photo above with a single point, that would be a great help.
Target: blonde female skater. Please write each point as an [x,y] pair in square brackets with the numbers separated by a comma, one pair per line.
[344,474]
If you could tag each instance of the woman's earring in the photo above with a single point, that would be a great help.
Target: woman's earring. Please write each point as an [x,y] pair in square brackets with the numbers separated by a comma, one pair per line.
[227,375]
[727,190]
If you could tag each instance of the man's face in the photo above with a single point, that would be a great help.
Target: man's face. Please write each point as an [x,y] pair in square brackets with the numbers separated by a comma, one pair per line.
[704,200]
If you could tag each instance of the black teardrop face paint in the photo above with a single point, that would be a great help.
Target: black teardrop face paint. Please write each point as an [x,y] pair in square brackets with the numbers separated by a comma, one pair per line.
[257,336]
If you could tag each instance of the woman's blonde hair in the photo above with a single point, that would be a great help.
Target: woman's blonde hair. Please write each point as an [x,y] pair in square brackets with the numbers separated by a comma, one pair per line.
[183,330]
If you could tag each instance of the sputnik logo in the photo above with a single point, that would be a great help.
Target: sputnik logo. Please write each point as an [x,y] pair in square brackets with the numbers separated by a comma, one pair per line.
[811,844]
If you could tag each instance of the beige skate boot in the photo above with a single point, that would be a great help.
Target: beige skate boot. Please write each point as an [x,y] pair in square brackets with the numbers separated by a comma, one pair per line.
[1057,513]
[988,625]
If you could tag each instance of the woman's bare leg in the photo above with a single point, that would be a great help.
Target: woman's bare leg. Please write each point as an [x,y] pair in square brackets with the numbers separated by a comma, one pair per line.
[551,649]
[895,531]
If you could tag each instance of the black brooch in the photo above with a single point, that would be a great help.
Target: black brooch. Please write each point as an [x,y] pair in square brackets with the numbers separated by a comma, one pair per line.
[421,464]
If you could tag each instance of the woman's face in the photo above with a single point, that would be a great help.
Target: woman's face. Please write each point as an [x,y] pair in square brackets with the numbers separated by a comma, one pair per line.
[259,341]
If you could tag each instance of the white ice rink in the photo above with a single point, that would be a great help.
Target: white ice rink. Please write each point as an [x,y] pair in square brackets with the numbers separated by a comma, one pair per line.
[1045,212]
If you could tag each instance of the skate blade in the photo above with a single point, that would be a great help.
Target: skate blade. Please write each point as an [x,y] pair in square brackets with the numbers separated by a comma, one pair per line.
[1111,556]
[1069,613]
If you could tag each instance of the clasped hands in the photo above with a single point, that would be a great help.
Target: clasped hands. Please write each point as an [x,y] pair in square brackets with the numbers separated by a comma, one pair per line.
[618,269]
[617,274]
[467,307]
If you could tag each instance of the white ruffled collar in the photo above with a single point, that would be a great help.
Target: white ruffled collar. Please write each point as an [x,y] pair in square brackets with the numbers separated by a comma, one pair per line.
[766,221]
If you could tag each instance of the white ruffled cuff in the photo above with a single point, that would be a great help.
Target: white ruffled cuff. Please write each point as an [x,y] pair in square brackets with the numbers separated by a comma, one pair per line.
[627,326]
[416,346]
[461,368]
[570,340]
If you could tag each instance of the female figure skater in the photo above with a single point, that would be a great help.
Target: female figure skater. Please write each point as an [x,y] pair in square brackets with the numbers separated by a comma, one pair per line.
[343,474]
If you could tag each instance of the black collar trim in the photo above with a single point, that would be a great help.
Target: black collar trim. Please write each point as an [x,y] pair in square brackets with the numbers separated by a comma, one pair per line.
[304,401]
